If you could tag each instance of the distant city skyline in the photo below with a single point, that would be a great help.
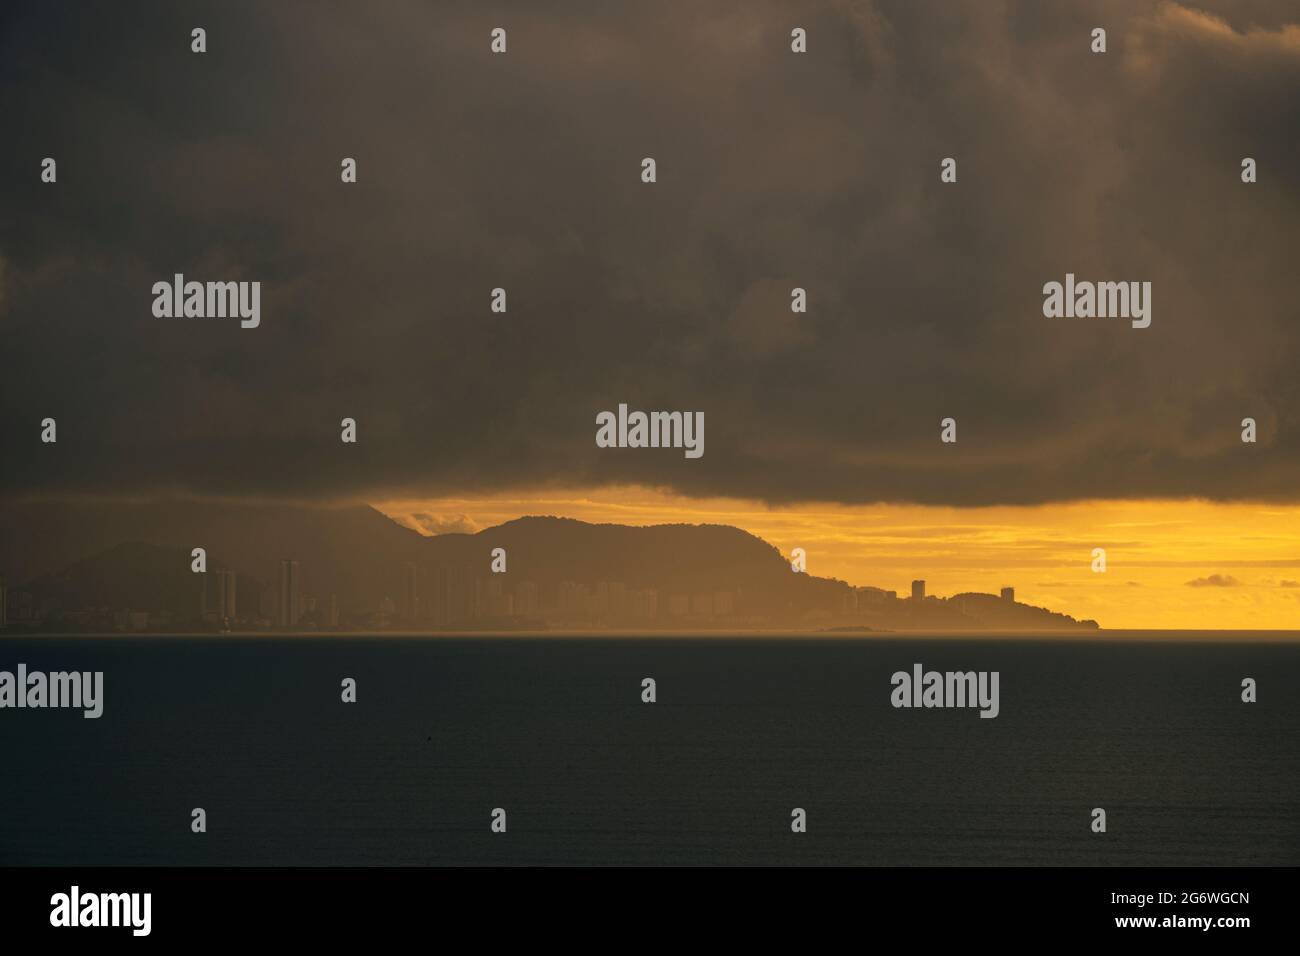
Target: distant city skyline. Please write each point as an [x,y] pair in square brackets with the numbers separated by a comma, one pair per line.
[459,589]
[1171,565]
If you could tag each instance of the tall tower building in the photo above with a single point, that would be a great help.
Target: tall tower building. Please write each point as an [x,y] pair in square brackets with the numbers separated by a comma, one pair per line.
[918,590]
[438,607]
[527,599]
[489,597]
[410,594]
[290,585]
[461,596]
[600,601]
[1009,594]
[231,607]
[617,609]
[226,594]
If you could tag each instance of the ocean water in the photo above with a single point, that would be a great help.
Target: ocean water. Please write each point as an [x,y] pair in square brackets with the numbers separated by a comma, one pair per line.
[553,730]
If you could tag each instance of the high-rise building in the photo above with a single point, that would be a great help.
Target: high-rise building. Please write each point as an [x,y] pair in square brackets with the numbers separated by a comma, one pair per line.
[226,594]
[452,600]
[723,604]
[600,601]
[290,585]
[487,597]
[462,595]
[493,600]
[438,606]
[4,604]
[334,610]
[1009,594]
[410,603]
[617,609]
[267,602]
[918,590]
[21,606]
[527,602]
[575,605]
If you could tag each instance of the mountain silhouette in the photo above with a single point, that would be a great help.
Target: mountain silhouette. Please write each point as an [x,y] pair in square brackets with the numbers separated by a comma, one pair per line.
[137,555]
[134,576]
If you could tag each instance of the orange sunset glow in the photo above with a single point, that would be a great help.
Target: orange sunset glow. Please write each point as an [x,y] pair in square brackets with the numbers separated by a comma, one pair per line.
[1170,564]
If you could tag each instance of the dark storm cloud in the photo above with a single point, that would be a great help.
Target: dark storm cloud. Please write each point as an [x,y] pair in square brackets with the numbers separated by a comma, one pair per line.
[775,171]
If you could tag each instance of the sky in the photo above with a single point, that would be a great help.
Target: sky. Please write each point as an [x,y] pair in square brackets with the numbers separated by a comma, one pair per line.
[775,170]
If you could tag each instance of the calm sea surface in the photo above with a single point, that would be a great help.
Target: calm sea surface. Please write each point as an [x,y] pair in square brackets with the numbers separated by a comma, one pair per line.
[553,730]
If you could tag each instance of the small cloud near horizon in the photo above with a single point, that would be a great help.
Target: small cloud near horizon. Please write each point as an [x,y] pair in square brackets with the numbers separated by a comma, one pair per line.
[431,524]
[1215,581]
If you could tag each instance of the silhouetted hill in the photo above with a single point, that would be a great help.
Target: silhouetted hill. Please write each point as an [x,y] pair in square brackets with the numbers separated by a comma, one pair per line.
[73,555]
[355,551]
[129,575]
[992,611]
[134,576]
[673,558]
